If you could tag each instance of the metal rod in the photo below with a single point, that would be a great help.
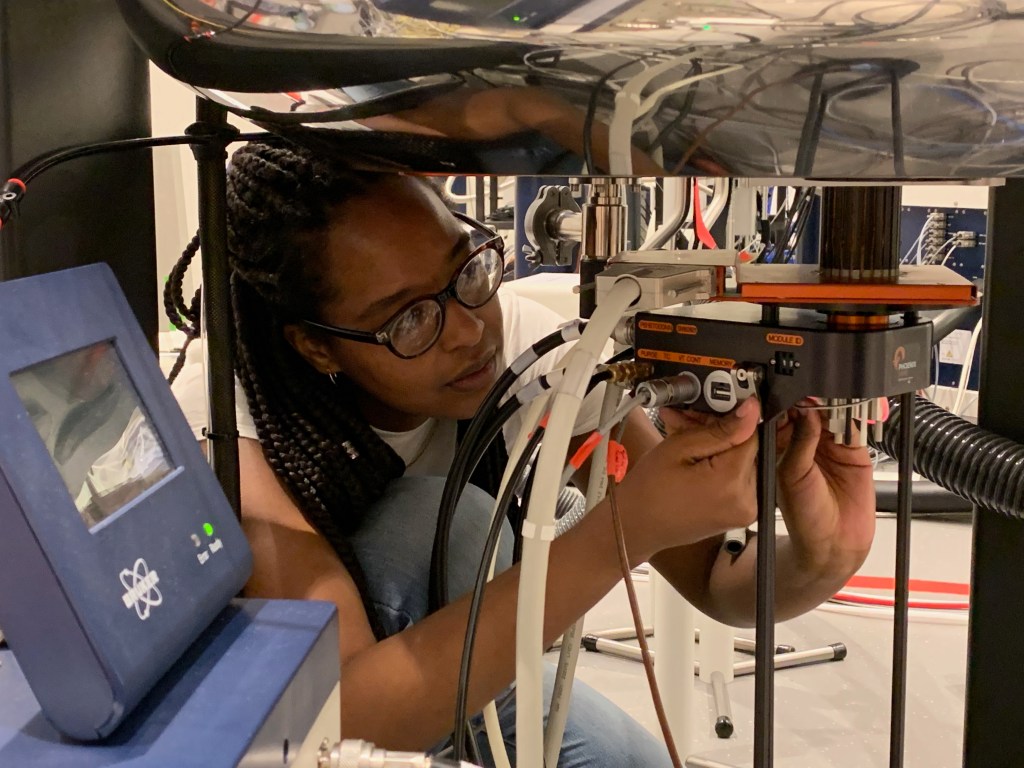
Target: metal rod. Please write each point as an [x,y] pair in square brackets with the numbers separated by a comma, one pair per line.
[723,710]
[222,436]
[741,644]
[901,615]
[621,650]
[703,762]
[764,637]
[492,194]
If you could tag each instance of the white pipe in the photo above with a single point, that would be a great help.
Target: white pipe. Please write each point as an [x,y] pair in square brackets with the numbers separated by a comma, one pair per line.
[674,660]
[678,202]
[568,655]
[719,198]
[492,726]
[965,370]
[631,105]
[715,650]
[539,529]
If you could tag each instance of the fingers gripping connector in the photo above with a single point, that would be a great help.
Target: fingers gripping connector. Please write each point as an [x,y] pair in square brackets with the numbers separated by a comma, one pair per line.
[683,389]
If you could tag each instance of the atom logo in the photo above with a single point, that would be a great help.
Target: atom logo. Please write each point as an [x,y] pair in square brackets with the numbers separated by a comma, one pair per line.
[141,591]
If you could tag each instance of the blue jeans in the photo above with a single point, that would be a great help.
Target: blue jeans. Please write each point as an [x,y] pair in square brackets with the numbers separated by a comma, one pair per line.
[393,546]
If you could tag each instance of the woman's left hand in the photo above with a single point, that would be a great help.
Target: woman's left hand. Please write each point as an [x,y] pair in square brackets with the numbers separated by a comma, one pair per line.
[826,494]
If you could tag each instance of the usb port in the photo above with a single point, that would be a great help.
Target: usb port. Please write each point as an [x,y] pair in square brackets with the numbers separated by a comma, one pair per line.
[721,390]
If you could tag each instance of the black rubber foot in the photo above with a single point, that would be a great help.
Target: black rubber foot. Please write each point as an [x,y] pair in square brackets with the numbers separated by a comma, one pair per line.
[723,727]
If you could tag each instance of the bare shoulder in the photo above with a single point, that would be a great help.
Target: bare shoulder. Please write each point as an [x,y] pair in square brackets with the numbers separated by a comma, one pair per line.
[291,560]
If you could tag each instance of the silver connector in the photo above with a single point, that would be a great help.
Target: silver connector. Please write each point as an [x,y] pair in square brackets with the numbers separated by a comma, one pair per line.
[353,753]
[678,390]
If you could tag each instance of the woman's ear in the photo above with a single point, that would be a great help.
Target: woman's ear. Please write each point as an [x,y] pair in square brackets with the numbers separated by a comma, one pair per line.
[312,347]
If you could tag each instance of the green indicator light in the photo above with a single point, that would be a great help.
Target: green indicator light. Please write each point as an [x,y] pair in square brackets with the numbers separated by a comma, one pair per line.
[517,18]
[208,529]
[707,27]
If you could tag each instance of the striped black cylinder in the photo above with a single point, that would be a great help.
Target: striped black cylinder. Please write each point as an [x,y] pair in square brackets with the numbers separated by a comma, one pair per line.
[860,234]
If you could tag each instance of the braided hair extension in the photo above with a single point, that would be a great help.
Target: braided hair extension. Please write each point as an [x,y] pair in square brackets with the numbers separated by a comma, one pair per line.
[184,318]
[330,460]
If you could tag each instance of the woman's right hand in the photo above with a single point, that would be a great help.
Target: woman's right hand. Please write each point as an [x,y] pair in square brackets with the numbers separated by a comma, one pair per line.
[695,484]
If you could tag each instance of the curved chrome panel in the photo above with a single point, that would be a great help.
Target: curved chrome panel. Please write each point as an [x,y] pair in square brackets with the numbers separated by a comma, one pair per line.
[865,89]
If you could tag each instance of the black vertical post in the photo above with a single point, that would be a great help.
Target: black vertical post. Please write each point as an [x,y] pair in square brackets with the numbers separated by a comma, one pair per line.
[994,725]
[764,635]
[492,194]
[898,706]
[480,203]
[211,158]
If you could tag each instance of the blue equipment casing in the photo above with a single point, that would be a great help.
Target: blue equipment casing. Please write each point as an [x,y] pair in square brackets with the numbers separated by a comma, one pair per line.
[96,611]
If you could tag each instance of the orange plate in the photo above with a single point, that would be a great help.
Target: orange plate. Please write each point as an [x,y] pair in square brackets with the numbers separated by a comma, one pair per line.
[801,284]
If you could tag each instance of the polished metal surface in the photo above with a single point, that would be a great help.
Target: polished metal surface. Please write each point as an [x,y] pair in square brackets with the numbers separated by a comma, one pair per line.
[876,89]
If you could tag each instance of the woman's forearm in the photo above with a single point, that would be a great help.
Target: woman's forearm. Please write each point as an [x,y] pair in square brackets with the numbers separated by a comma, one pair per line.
[725,587]
[400,693]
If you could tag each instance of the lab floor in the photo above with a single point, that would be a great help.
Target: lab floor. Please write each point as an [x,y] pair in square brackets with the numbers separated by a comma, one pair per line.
[833,715]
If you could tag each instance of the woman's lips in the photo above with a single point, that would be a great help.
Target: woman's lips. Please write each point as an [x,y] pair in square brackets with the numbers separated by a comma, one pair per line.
[476,379]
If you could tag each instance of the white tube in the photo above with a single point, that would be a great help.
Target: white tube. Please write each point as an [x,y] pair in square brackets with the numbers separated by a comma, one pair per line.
[965,371]
[675,200]
[674,660]
[539,529]
[719,199]
[715,650]
[492,726]
[568,654]
[631,105]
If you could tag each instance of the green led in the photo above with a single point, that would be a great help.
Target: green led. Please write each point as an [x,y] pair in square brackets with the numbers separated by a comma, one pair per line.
[707,27]
[517,18]
[208,529]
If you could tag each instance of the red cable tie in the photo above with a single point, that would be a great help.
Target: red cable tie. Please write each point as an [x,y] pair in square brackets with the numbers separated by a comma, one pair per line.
[618,460]
[584,451]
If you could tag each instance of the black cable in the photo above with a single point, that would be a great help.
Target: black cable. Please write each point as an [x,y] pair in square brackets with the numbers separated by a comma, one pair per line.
[399,101]
[493,534]
[231,28]
[16,186]
[684,109]
[467,456]
[797,222]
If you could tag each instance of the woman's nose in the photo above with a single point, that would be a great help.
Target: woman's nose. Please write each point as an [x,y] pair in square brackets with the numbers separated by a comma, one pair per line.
[462,327]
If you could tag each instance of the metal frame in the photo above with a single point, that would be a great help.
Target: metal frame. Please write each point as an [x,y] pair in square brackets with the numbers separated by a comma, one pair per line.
[994,722]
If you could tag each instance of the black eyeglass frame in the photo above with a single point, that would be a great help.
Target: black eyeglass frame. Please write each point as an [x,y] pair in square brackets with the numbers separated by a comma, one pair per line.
[382,336]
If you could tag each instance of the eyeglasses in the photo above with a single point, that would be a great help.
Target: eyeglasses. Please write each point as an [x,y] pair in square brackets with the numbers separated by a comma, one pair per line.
[417,326]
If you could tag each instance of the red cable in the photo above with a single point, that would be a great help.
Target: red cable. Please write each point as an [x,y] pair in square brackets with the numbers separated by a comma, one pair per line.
[855,598]
[703,233]
[916,585]
[20,183]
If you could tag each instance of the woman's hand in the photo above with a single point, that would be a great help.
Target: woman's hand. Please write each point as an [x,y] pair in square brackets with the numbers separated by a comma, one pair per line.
[693,485]
[827,496]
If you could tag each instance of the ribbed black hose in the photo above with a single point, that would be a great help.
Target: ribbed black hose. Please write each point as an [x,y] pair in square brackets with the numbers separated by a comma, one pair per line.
[978,465]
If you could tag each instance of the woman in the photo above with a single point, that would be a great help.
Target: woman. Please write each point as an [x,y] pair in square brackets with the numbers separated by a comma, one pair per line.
[344,445]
